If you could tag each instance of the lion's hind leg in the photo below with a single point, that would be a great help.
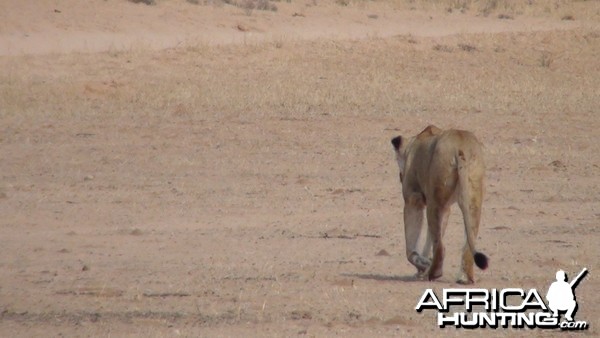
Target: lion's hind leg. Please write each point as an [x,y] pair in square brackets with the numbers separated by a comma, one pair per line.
[436,219]
[427,247]
[414,206]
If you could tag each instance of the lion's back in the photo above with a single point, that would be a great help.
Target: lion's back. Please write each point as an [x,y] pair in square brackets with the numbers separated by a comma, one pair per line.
[451,142]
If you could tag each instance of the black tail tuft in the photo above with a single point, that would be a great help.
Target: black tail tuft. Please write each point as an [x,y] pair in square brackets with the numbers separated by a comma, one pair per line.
[481,260]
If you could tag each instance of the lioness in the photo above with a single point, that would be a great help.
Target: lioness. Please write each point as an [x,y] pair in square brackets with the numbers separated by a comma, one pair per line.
[437,168]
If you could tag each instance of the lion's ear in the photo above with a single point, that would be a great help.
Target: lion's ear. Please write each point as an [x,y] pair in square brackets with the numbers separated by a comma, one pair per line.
[397,142]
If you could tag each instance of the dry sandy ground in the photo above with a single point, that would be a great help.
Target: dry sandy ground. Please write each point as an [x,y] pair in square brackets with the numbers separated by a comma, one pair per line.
[242,183]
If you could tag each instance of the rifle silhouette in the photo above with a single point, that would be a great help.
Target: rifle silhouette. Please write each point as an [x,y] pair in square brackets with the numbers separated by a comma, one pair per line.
[579,277]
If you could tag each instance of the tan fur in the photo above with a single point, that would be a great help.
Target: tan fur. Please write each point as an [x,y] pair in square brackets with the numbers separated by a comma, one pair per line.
[438,168]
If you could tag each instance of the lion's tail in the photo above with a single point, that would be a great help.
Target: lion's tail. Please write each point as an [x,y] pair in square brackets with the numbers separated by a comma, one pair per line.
[471,209]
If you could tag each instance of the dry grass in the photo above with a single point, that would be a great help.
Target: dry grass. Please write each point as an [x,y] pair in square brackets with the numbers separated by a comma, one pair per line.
[505,9]
[146,2]
[288,80]
[509,8]
[249,5]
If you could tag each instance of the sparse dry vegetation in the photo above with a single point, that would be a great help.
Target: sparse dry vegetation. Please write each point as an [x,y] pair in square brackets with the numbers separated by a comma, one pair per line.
[508,8]
[467,47]
[146,2]
[505,9]
[443,48]
[249,5]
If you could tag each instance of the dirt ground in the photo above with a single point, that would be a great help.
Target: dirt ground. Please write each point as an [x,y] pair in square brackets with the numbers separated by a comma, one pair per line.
[205,169]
